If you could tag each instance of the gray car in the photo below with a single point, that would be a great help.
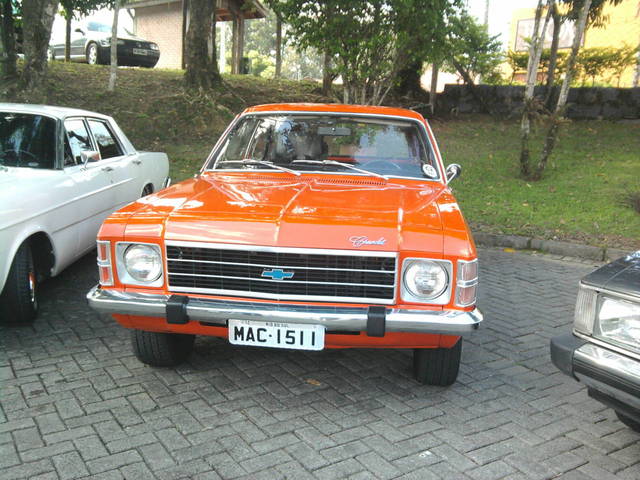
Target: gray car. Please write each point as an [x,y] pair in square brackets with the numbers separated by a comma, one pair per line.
[91,43]
[603,351]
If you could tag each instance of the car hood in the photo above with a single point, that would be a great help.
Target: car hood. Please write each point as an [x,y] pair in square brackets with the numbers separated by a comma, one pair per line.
[329,211]
[621,276]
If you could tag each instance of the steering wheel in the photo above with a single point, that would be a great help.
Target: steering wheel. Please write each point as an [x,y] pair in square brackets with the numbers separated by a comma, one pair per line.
[17,153]
[384,163]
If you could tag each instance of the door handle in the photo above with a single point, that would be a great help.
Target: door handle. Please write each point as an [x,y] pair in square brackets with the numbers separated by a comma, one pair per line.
[137,162]
[107,169]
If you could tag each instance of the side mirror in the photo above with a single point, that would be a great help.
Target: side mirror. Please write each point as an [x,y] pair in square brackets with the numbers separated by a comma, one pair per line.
[453,171]
[79,30]
[89,156]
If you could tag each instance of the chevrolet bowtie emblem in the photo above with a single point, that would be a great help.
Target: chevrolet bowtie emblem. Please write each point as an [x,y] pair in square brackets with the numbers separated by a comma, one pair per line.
[277,274]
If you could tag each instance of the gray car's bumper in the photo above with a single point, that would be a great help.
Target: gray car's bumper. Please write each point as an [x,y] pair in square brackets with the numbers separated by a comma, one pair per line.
[217,312]
[612,378]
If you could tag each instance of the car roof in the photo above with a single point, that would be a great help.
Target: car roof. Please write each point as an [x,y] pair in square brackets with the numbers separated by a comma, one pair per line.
[335,108]
[49,110]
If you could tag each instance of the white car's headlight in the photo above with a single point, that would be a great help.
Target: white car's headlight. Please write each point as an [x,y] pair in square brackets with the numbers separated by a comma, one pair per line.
[424,280]
[619,321]
[139,264]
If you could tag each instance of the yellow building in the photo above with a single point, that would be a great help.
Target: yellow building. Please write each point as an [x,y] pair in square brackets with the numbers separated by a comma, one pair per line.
[622,28]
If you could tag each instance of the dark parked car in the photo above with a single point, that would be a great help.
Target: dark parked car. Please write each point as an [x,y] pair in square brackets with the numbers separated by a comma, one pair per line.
[91,43]
[603,351]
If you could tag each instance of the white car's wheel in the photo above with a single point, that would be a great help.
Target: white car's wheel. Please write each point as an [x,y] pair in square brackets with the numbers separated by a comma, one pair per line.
[19,299]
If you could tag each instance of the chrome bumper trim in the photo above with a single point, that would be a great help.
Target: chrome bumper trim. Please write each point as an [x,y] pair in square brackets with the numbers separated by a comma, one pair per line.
[619,370]
[217,312]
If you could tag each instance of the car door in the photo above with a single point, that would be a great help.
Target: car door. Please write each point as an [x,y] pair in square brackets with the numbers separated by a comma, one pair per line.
[78,42]
[123,168]
[93,180]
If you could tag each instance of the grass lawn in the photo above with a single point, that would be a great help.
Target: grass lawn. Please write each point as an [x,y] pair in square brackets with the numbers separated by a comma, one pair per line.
[594,166]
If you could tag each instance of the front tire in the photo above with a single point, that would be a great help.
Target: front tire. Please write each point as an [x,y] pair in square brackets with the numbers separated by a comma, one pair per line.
[92,54]
[437,366]
[19,299]
[161,349]
[629,422]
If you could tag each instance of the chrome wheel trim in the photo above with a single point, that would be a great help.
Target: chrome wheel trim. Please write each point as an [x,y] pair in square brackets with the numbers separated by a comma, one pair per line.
[93,54]
[31,277]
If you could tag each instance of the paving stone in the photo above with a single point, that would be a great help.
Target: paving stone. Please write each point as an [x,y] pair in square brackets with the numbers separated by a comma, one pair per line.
[76,402]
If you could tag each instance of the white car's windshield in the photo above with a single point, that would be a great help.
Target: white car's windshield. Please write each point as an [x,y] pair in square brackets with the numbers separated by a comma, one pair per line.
[305,142]
[27,140]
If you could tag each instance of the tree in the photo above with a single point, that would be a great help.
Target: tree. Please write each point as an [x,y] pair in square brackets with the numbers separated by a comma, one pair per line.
[38,18]
[8,56]
[529,107]
[472,52]
[370,40]
[202,68]
[113,67]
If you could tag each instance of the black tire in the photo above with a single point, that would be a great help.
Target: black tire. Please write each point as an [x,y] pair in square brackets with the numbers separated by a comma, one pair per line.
[629,422]
[437,366]
[19,299]
[93,54]
[161,349]
[147,190]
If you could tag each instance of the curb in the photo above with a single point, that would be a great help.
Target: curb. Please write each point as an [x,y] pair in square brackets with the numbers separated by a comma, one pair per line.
[565,249]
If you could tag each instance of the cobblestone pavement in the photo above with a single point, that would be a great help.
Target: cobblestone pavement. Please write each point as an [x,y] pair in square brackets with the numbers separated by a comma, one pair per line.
[76,403]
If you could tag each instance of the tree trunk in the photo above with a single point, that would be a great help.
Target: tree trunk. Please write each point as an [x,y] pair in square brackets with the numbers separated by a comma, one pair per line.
[535,51]
[67,37]
[279,48]
[37,20]
[433,89]
[200,73]
[113,69]
[327,74]
[553,55]
[215,71]
[409,80]
[636,75]
[8,69]
[558,113]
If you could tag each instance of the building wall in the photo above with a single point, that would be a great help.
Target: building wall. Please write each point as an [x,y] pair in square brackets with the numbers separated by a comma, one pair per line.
[623,28]
[162,24]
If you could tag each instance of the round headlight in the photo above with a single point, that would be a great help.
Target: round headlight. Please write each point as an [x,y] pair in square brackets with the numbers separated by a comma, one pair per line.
[425,279]
[143,263]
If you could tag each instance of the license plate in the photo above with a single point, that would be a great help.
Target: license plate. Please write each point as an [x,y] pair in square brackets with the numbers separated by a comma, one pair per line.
[139,51]
[276,335]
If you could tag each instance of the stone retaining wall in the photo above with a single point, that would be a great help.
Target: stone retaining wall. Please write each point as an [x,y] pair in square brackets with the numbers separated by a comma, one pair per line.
[583,103]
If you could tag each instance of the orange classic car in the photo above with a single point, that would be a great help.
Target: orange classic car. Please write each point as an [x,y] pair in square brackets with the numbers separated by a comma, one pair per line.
[308,227]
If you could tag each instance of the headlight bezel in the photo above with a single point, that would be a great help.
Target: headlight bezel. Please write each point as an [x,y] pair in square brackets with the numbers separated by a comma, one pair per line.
[442,298]
[123,272]
[598,333]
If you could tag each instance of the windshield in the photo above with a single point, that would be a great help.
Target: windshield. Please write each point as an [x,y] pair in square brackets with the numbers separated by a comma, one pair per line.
[27,140]
[306,142]
[98,27]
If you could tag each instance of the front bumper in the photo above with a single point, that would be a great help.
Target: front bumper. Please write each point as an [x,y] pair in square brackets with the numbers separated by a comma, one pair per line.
[339,319]
[611,377]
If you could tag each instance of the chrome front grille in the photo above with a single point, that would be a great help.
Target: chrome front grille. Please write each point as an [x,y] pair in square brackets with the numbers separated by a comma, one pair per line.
[281,273]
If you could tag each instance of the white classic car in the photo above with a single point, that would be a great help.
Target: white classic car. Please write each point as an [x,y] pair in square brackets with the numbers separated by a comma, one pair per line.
[62,172]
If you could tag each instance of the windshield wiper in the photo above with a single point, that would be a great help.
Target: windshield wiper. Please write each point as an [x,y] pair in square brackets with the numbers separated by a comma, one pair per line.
[346,165]
[262,162]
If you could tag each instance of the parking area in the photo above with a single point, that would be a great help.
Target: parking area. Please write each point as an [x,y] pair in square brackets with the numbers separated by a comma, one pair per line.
[75,402]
